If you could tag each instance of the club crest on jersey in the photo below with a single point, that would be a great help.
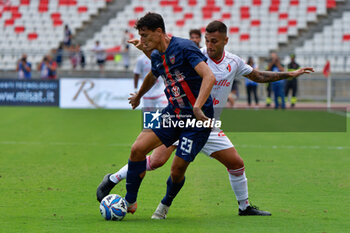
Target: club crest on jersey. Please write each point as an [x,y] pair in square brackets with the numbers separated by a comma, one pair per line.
[172,59]
[176,91]
[228,68]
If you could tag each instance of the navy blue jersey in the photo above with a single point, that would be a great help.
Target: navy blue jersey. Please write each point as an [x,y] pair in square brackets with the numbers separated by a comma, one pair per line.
[176,66]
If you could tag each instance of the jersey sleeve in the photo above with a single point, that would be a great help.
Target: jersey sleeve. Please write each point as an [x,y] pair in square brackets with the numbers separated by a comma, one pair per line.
[192,54]
[138,66]
[154,64]
[242,67]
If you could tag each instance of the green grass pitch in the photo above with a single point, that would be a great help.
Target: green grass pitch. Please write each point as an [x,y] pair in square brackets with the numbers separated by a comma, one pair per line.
[51,161]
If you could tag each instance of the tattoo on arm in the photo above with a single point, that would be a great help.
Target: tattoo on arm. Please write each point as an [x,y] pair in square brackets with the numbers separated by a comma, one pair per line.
[267,76]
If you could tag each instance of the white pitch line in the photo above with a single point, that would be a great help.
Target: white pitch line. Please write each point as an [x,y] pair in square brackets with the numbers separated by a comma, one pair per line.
[290,147]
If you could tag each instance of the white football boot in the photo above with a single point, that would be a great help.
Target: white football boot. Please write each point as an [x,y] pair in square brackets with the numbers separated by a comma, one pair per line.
[161,212]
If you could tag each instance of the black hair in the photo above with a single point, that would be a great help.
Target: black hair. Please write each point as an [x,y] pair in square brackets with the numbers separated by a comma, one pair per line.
[215,26]
[195,31]
[150,21]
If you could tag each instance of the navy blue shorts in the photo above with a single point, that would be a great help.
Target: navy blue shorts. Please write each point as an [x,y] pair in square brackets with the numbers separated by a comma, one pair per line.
[191,139]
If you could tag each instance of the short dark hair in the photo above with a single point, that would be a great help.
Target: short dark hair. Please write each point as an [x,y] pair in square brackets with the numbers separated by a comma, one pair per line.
[150,21]
[215,26]
[195,31]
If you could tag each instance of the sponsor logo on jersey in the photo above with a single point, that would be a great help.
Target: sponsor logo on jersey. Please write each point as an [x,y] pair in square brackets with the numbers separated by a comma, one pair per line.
[176,91]
[216,101]
[221,134]
[172,59]
[229,68]
[222,83]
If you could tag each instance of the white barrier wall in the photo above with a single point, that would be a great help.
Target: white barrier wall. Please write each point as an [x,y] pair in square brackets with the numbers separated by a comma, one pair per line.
[95,93]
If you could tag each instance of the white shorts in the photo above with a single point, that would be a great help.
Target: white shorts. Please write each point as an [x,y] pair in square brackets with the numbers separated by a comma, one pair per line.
[217,141]
[155,102]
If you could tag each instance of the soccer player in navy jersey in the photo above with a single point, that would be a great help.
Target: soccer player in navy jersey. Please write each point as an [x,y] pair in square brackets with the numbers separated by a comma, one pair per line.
[188,81]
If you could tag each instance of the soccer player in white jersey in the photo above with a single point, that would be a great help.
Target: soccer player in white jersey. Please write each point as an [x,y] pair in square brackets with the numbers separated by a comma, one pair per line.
[225,66]
[155,97]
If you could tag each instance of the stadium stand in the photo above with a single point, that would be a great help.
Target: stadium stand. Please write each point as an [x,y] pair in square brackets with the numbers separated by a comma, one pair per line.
[36,26]
[255,27]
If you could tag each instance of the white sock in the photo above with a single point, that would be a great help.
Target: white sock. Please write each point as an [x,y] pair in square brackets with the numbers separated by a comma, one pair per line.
[119,175]
[239,185]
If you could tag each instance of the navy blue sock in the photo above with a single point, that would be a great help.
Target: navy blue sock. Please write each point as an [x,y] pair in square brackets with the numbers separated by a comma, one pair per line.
[133,179]
[171,191]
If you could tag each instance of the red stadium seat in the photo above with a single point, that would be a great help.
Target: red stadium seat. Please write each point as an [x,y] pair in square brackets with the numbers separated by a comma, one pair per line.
[210,2]
[132,22]
[255,23]
[67,2]
[283,16]
[273,8]
[188,16]
[229,2]
[32,36]
[244,37]
[292,22]
[180,23]
[311,9]
[82,9]
[9,22]
[346,37]
[43,8]
[14,9]
[282,30]
[169,3]
[57,22]
[177,9]
[245,12]
[56,15]
[16,15]
[245,15]
[226,15]
[207,15]
[192,2]
[257,2]
[294,2]
[331,4]
[19,29]
[234,30]
[25,2]
[138,9]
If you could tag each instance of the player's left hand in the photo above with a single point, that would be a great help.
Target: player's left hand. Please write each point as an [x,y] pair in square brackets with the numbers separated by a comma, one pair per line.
[305,70]
[134,100]
[136,43]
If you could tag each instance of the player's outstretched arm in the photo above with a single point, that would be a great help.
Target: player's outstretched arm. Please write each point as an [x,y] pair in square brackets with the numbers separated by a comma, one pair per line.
[147,84]
[269,76]
[207,84]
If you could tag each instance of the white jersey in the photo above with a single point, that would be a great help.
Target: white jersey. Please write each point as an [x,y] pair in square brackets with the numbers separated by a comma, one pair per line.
[225,71]
[143,66]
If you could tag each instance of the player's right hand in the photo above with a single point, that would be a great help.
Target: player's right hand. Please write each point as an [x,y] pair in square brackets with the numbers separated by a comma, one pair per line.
[198,113]
[134,100]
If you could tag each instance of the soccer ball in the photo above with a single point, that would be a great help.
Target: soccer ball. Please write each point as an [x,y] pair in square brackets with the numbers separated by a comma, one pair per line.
[113,207]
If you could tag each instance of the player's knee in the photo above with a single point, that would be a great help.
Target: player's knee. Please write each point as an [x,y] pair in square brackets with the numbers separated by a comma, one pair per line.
[237,163]
[137,152]
[177,173]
